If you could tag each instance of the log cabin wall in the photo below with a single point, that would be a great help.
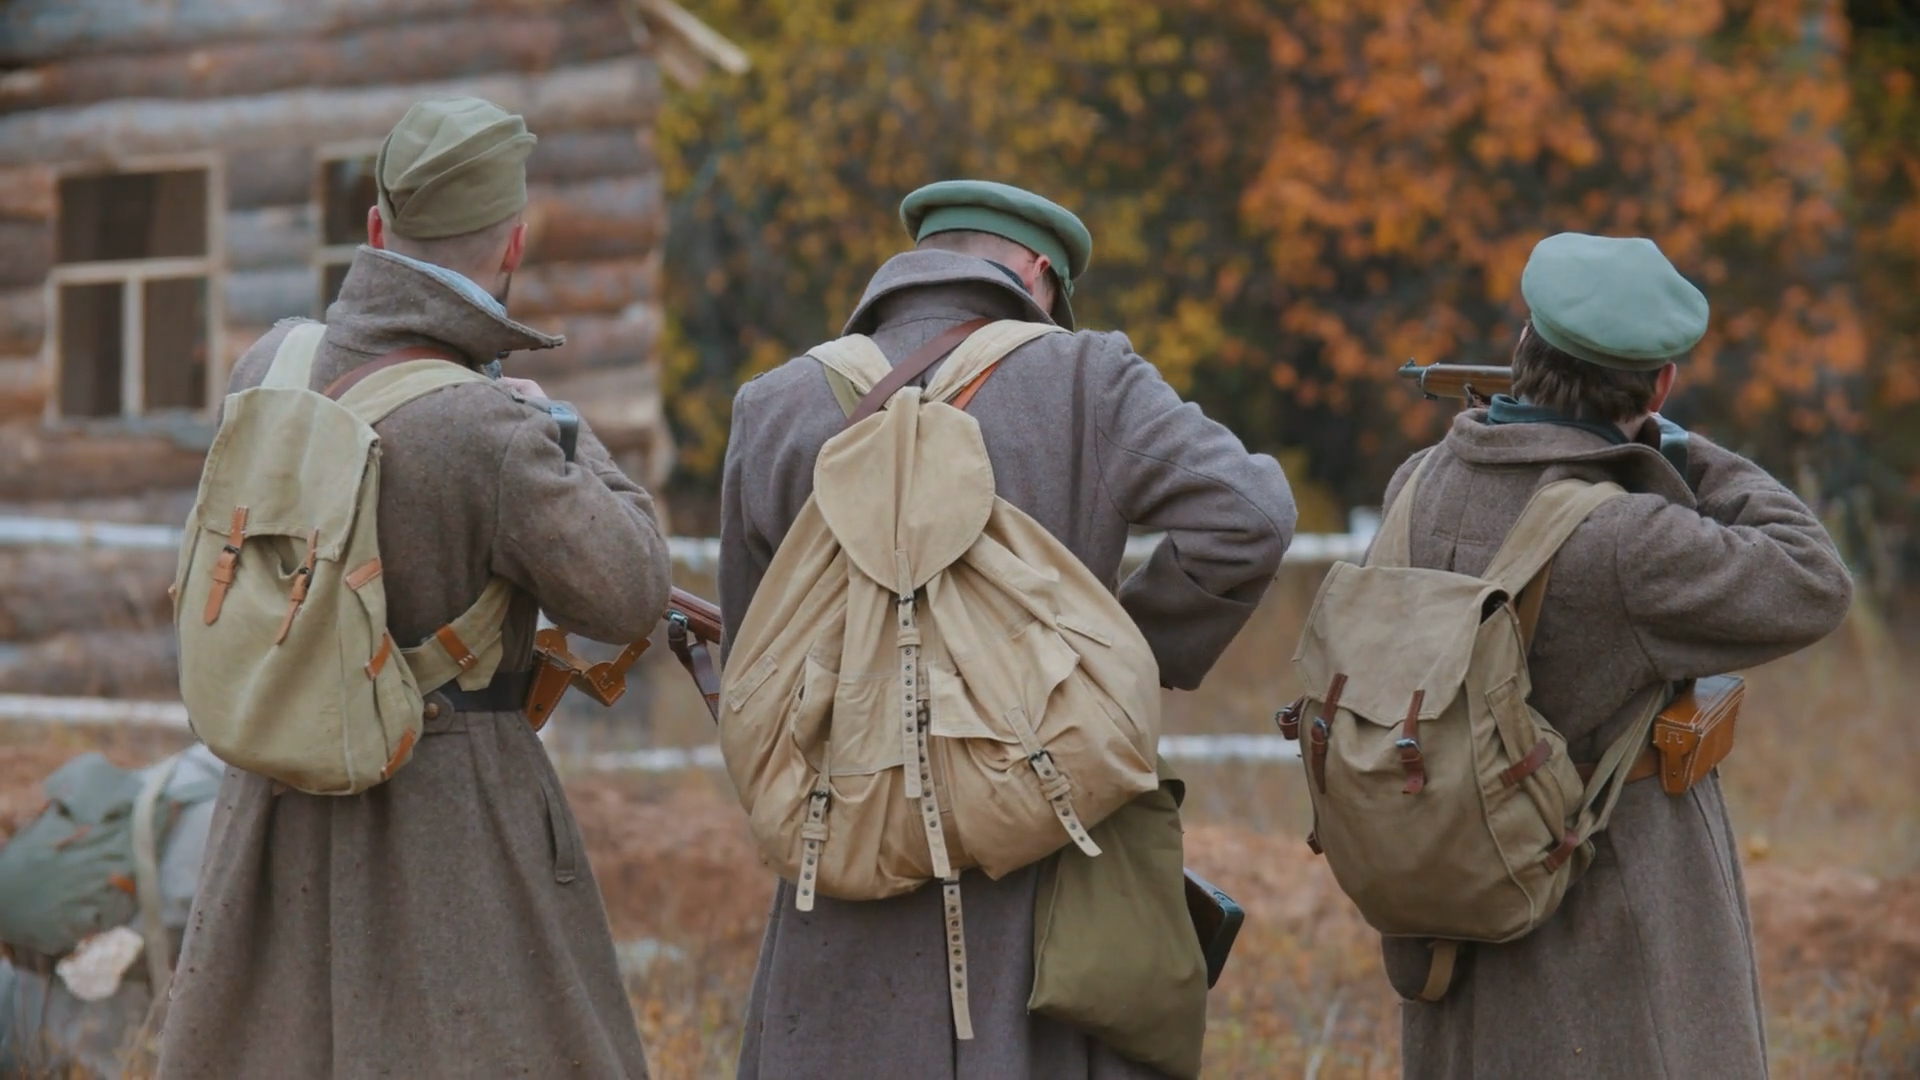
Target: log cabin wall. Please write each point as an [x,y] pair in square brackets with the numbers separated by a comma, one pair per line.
[281,103]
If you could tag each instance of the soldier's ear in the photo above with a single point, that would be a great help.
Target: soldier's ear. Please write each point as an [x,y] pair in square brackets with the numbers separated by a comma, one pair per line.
[1662,386]
[516,248]
[376,228]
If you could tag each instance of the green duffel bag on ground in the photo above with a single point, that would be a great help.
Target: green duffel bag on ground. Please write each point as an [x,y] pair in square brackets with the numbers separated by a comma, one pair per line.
[1114,949]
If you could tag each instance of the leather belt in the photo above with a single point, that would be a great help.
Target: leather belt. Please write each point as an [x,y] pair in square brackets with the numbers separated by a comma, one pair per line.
[1645,767]
[506,693]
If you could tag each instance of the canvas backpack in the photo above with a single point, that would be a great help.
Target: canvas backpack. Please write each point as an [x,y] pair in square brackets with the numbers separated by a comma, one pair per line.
[91,860]
[287,667]
[927,681]
[1444,804]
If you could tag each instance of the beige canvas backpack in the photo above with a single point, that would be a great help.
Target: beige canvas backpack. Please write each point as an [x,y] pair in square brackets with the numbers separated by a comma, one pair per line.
[286,666]
[1445,805]
[927,681]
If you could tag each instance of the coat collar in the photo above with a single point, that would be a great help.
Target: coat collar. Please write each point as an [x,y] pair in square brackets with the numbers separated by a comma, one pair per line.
[1635,465]
[925,284]
[389,302]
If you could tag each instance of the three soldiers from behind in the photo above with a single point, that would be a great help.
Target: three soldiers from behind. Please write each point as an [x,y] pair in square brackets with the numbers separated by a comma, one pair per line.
[1648,967]
[444,922]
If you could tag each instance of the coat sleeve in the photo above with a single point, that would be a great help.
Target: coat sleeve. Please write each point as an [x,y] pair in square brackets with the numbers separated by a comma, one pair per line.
[1228,516]
[744,554]
[580,536]
[1748,577]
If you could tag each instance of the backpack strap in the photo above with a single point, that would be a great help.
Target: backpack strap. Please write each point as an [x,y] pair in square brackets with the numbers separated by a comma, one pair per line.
[912,368]
[468,648]
[1393,544]
[395,382]
[292,365]
[848,361]
[146,874]
[1543,527]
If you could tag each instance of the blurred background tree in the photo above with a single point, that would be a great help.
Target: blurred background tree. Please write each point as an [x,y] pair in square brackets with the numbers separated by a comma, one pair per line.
[1290,199]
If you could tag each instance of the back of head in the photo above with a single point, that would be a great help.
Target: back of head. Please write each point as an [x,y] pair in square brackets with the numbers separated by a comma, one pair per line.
[989,220]
[1607,314]
[451,180]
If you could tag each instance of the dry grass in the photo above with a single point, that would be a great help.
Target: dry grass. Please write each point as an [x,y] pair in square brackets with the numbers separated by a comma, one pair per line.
[1822,787]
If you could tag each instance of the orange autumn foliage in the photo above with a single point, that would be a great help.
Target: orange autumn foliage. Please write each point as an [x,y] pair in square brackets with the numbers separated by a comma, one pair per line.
[1290,199]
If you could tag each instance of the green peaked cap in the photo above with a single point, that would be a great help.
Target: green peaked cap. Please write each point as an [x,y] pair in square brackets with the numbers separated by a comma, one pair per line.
[1040,225]
[1612,301]
[451,167]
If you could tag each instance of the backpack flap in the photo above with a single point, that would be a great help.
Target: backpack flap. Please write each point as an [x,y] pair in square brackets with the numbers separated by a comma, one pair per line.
[1393,632]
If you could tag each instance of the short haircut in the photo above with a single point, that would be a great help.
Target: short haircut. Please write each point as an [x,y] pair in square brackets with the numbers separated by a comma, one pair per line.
[982,245]
[1547,377]
[464,252]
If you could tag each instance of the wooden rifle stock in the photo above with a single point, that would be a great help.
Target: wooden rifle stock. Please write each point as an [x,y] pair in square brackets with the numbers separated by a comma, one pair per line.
[1474,384]
[703,618]
[692,626]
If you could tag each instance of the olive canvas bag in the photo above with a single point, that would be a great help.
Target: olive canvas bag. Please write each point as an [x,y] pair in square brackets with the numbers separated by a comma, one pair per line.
[287,667]
[927,681]
[1444,803]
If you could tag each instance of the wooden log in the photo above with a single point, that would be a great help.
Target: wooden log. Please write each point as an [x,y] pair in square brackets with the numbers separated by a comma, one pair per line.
[566,288]
[594,342]
[599,95]
[23,388]
[460,46]
[27,193]
[273,236]
[26,252]
[264,297]
[47,591]
[43,29]
[269,176]
[589,155]
[23,321]
[597,219]
[94,663]
[38,463]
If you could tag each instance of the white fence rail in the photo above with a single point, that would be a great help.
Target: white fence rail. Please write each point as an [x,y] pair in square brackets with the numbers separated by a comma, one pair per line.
[111,712]
[698,554]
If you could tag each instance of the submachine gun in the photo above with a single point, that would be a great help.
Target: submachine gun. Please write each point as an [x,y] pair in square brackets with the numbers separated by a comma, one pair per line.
[693,629]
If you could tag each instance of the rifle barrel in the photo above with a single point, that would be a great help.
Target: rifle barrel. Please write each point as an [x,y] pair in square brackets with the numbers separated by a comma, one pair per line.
[1454,380]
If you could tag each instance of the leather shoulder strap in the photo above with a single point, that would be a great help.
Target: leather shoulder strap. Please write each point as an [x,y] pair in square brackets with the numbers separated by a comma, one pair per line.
[912,368]
[292,365]
[381,392]
[339,387]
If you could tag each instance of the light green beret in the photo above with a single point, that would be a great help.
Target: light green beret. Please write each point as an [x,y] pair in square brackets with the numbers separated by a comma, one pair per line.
[1612,301]
[451,167]
[1039,225]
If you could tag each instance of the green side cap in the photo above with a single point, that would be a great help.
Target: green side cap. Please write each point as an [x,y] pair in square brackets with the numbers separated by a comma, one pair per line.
[452,167]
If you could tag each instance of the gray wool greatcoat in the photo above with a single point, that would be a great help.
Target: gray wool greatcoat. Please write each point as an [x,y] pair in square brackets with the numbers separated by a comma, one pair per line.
[1647,970]
[1087,438]
[444,923]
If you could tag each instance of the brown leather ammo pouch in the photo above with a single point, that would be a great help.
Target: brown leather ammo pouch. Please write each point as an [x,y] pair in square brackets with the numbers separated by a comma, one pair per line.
[1694,732]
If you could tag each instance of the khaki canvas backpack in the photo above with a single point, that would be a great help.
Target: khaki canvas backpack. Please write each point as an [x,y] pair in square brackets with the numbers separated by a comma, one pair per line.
[286,665]
[1445,805]
[927,681]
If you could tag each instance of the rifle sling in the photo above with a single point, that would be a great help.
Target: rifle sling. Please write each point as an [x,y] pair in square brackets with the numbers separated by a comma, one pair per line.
[912,368]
